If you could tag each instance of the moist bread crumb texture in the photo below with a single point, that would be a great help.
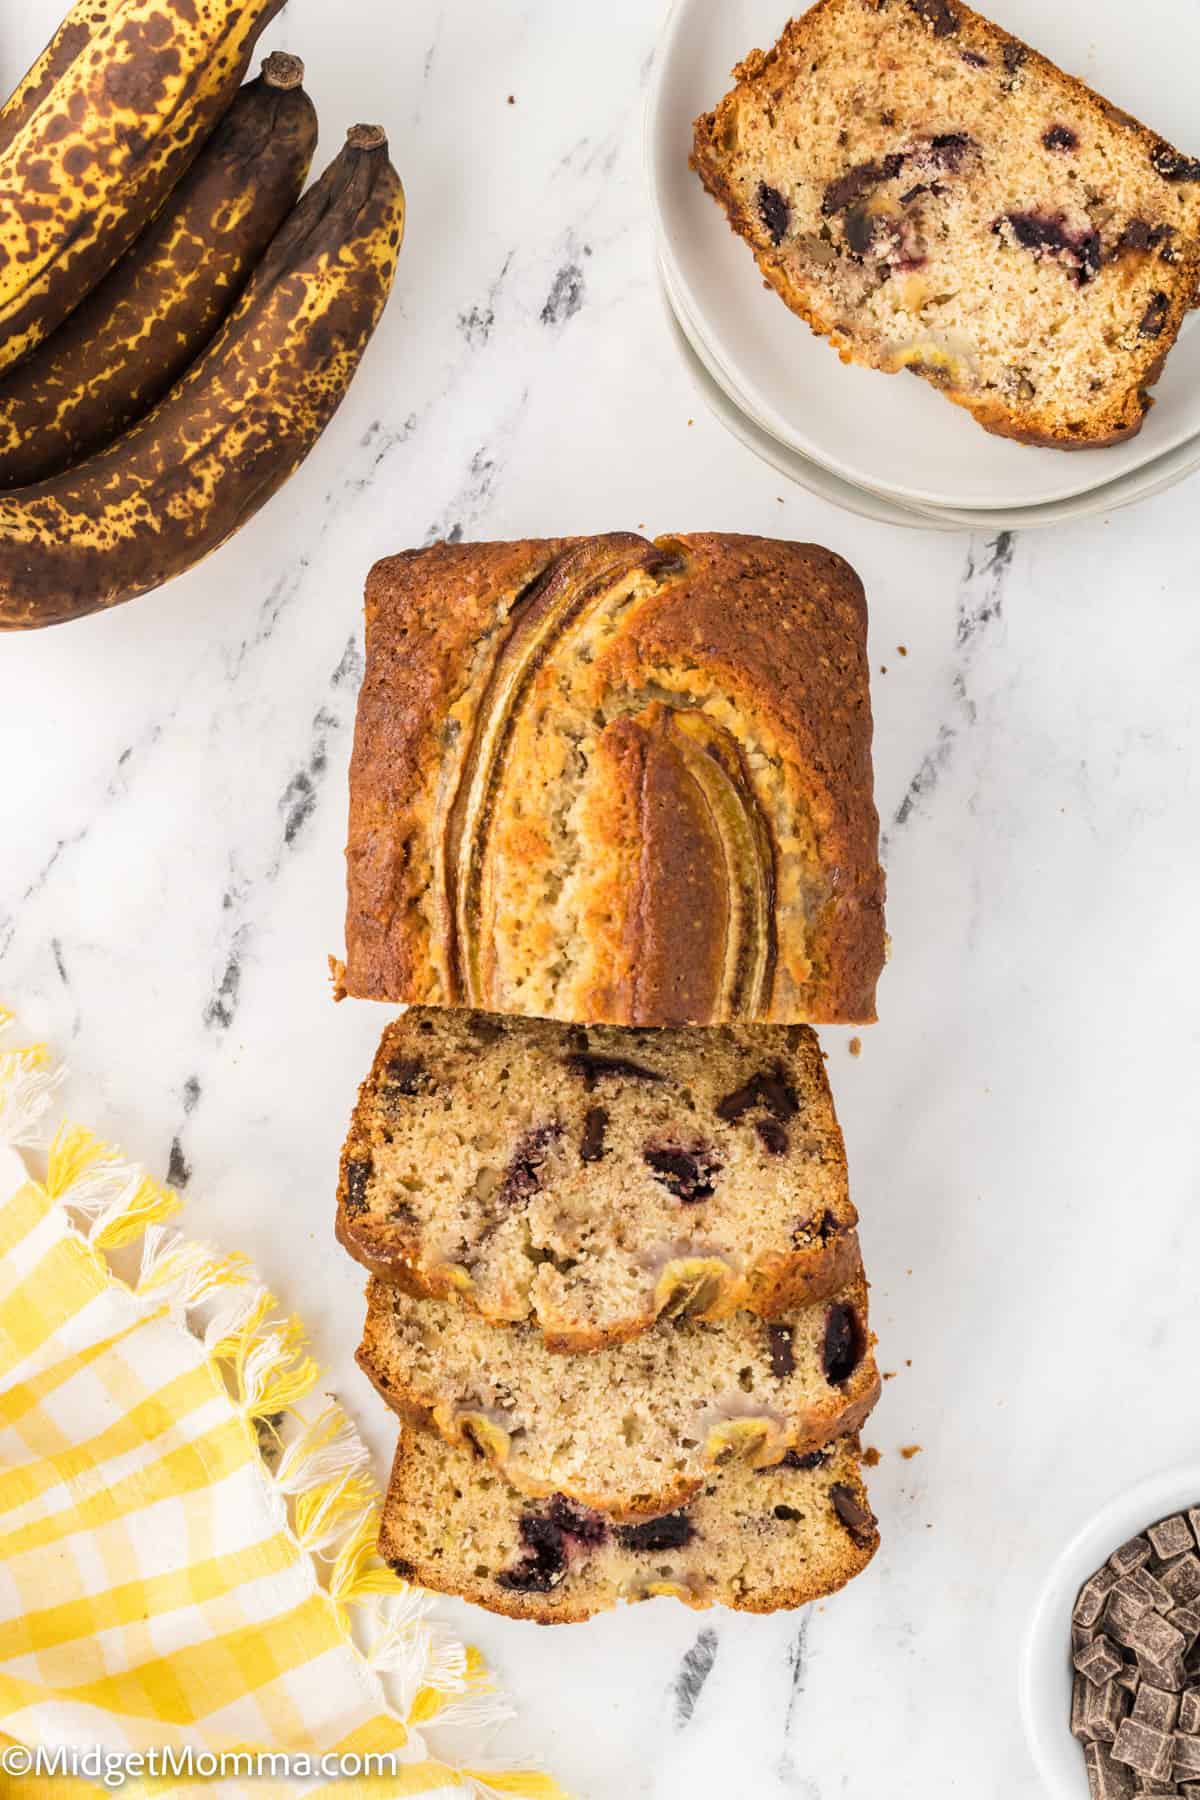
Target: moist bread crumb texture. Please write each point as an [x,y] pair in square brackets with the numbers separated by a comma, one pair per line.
[636,1430]
[616,781]
[933,195]
[751,1539]
[591,1181]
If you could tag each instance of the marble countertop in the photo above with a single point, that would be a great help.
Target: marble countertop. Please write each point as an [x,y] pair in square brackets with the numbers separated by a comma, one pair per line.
[1022,1124]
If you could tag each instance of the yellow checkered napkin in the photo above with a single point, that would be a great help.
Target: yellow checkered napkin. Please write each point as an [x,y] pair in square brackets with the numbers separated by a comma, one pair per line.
[186,1550]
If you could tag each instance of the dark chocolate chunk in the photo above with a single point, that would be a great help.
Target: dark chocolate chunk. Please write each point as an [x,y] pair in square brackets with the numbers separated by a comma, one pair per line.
[1189,1711]
[1103,1709]
[974,59]
[1155,316]
[1155,1706]
[948,149]
[769,1089]
[1106,1779]
[405,1075]
[1172,1538]
[783,1360]
[788,1514]
[938,13]
[544,1563]
[1060,137]
[671,1532]
[576,1521]
[858,181]
[1079,251]
[1185,1757]
[399,1566]
[1080,1689]
[1099,1661]
[858,1519]
[772,1136]
[523,1176]
[358,1174]
[1015,57]
[1130,1556]
[593,1068]
[773,210]
[844,1345]
[800,1459]
[1146,1751]
[1181,1579]
[1092,1595]
[591,1144]
[859,227]
[1154,1640]
[1172,166]
[688,1174]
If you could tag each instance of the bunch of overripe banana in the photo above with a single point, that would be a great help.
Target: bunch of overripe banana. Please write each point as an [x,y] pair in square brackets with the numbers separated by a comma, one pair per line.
[177,325]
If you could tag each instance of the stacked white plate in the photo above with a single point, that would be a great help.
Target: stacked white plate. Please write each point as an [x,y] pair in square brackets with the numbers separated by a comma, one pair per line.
[889,448]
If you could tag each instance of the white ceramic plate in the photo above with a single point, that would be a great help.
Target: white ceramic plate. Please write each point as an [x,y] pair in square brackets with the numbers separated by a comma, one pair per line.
[786,462]
[894,436]
[1045,1672]
[1141,485]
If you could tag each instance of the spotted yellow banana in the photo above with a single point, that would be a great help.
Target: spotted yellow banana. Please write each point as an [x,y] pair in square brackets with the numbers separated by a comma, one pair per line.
[96,156]
[231,432]
[140,329]
[81,24]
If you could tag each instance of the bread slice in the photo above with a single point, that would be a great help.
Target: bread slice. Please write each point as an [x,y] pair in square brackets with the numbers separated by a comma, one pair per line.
[754,1540]
[591,1181]
[616,781]
[932,195]
[636,1430]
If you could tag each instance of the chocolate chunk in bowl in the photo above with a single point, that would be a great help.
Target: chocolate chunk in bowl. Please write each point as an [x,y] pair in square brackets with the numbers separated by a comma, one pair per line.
[1135,1651]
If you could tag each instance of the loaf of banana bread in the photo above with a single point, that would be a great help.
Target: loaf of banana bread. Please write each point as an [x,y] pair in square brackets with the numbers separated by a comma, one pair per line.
[932,195]
[635,1430]
[752,1539]
[610,780]
[592,1181]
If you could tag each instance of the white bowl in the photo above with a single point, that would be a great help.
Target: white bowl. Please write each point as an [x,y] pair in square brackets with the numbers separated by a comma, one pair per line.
[1045,1669]
[899,437]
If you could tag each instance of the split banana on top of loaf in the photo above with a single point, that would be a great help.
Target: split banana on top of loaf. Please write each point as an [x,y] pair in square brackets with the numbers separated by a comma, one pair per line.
[609,780]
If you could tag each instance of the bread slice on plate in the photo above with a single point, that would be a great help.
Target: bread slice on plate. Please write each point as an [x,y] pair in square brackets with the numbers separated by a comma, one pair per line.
[753,1540]
[592,1181]
[615,780]
[636,1430]
[933,195]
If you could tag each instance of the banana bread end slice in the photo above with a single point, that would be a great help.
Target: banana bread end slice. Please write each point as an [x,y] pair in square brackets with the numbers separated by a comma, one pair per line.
[753,1540]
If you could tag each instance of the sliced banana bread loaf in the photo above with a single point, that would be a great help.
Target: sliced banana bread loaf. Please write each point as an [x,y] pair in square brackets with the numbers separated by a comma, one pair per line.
[616,781]
[590,1181]
[931,194]
[634,1430]
[756,1540]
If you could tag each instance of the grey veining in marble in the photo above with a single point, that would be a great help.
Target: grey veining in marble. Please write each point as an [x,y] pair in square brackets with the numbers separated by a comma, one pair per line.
[1022,1123]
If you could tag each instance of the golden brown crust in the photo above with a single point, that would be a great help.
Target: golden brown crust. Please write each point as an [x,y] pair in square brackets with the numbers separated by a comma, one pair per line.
[1118,418]
[692,707]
